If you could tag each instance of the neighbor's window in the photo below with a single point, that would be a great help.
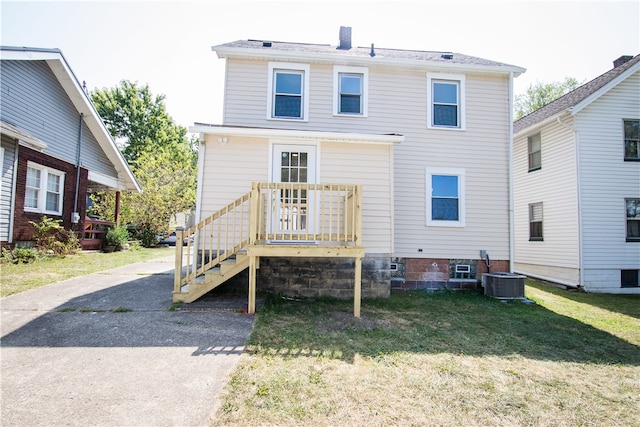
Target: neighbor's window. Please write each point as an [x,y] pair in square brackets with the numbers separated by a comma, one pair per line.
[632,140]
[633,219]
[629,278]
[535,222]
[44,189]
[445,197]
[350,90]
[535,155]
[288,91]
[445,97]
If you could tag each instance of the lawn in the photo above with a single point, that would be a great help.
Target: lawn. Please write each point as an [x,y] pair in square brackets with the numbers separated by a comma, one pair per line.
[445,358]
[20,277]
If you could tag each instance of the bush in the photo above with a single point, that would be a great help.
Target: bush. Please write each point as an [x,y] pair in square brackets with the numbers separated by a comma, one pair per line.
[147,234]
[19,255]
[52,238]
[116,236]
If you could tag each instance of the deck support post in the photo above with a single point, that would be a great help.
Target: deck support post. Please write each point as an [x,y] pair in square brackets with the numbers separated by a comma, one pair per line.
[251,306]
[177,272]
[357,291]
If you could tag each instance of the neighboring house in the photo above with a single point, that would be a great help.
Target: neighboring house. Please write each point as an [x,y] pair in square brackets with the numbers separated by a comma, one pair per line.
[55,148]
[423,138]
[577,185]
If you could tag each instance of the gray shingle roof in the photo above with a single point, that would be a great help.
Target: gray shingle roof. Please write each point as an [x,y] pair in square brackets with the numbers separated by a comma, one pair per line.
[572,98]
[364,52]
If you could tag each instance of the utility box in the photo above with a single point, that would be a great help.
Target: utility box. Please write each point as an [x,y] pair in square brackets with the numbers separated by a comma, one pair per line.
[503,285]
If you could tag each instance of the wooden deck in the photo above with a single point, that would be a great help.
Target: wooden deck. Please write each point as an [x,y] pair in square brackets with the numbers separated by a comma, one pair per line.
[272,220]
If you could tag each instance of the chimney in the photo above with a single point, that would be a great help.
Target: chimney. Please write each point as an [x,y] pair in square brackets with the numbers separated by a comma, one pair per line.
[345,38]
[624,58]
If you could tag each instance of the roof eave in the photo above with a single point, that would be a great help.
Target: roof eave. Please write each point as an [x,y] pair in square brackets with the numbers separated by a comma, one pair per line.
[379,60]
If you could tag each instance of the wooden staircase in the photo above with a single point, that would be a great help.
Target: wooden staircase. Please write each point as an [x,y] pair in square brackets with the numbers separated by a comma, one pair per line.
[213,278]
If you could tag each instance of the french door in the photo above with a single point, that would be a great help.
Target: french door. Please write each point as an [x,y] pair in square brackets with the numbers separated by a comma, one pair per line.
[293,164]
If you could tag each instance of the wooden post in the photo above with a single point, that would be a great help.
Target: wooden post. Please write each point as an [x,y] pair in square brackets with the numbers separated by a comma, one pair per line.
[252,285]
[357,292]
[177,272]
[116,214]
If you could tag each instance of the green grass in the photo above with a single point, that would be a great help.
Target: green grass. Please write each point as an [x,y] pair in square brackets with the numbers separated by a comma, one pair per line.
[21,277]
[446,358]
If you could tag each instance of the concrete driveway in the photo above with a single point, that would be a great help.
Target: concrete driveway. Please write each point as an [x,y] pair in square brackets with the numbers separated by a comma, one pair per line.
[104,350]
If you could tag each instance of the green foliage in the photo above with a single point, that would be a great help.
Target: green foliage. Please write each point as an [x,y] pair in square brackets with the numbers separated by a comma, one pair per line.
[19,255]
[540,94]
[116,236]
[162,158]
[53,239]
[147,234]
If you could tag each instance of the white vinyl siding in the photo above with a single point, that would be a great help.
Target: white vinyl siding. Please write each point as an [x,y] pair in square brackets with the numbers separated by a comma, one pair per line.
[397,104]
[607,180]
[555,187]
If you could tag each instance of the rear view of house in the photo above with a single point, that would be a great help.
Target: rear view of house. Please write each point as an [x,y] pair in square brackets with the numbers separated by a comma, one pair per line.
[55,148]
[397,157]
[577,185]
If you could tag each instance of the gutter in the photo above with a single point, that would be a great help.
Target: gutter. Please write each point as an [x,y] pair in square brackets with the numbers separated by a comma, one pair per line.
[511,203]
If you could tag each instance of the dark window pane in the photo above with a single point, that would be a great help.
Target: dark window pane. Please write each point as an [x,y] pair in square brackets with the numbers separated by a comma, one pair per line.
[445,115]
[303,159]
[284,175]
[629,278]
[295,159]
[444,209]
[633,229]
[350,104]
[288,106]
[285,159]
[303,174]
[631,129]
[631,150]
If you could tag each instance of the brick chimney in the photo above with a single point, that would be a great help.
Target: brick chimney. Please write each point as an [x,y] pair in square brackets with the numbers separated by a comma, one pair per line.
[624,58]
[345,38]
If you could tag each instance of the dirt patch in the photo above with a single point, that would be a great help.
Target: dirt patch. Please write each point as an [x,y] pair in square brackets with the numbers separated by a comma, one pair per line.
[341,321]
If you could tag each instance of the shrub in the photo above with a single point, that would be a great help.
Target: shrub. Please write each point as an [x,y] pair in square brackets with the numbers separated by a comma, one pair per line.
[19,255]
[116,236]
[52,238]
[147,234]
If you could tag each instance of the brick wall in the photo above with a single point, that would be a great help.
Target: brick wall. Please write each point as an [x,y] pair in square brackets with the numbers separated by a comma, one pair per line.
[22,229]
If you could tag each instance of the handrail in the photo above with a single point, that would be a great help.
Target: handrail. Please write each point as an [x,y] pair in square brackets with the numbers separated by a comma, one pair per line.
[270,213]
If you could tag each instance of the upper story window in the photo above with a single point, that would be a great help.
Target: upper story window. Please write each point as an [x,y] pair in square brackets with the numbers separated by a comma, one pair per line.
[535,222]
[633,220]
[44,189]
[445,197]
[350,88]
[288,91]
[535,152]
[632,140]
[446,101]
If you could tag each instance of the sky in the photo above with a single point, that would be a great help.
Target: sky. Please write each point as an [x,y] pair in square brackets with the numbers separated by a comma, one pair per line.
[167,44]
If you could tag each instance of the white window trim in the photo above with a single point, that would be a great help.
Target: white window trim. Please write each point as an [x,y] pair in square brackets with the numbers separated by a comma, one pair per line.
[42,193]
[460,173]
[339,69]
[305,68]
[455,78]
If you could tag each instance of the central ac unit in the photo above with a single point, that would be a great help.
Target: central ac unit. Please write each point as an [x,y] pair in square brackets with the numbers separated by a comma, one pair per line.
[503,285]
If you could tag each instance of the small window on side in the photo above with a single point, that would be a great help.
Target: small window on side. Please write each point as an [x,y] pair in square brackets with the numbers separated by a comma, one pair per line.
[629,278]
[632,208]
[535,222]
[631,140]
[535,152]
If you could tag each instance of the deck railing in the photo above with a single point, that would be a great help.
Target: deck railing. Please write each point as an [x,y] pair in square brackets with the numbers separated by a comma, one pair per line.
[272,213]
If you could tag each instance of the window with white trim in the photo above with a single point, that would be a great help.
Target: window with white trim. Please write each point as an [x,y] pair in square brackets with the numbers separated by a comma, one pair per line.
[446,101]
[44,189]
[350,90]
[631,140]
[445,197]
[288,91]
[535,222]
[534,147]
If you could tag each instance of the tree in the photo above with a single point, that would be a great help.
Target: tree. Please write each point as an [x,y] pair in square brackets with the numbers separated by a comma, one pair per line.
[137,118]
[540,94]
[161,157]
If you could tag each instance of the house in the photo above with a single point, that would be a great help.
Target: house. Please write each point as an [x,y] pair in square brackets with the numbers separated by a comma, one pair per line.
[55,148]
[577,185]
[393,163]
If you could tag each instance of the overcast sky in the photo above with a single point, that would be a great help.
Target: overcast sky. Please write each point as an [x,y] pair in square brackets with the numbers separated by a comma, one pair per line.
[167,44]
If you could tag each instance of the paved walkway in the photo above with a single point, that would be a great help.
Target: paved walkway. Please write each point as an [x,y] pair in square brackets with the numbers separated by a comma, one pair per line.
[67,358]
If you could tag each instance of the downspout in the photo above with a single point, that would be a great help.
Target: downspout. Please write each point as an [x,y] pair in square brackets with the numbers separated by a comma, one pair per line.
[75,216]
[579,197]
[200,185]
[511,220]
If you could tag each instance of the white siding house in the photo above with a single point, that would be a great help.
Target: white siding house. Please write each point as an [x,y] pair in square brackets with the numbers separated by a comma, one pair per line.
[427,135]
[586,185]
